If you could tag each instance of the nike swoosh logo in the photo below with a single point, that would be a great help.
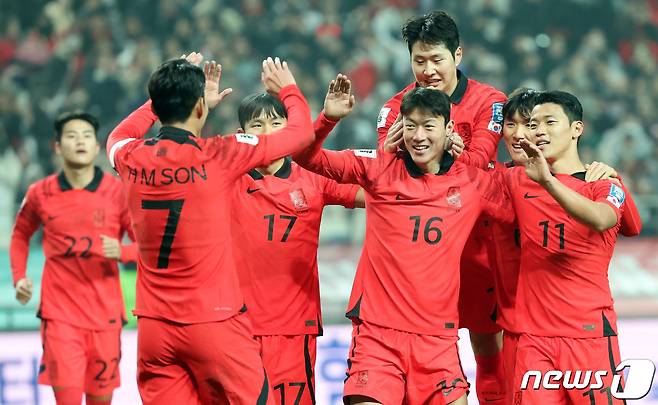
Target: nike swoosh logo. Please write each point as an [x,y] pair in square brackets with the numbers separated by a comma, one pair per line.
[526,196]
[252,190]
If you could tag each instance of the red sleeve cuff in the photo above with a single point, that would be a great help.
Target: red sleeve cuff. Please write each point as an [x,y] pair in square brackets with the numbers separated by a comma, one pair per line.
[288,90]
[128,253]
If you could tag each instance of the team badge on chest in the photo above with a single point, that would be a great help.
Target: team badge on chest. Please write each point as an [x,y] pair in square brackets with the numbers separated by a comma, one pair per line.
[99,218]
[454,198]
[298,199]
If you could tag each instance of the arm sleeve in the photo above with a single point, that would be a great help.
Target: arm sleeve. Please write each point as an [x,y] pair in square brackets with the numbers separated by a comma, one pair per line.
[631,223]
[339,194]
[135,126]
[128,251]
[494,194]
[605,191]
[347,166]
[486,133]
[27,222]
[322,126]
[243,152]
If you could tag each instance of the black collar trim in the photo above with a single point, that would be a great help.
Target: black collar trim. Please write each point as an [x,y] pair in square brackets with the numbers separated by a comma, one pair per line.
[462,82]
[579,175]
[64,184]
[283,173]
[178,135]
[446,163]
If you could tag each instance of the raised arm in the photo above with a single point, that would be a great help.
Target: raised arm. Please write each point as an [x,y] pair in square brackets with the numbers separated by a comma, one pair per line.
[597,215]
[485,133]
[342,166]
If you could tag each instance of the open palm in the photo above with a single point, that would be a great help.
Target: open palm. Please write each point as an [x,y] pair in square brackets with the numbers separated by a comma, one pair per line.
[536,166]
[339,100]
[213,73]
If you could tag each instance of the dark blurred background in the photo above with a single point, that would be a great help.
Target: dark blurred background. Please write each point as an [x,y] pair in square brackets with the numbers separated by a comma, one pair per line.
[98,54]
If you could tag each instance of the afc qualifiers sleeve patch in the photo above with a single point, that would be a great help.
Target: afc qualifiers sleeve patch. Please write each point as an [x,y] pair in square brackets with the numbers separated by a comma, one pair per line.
[381,119]
[367,153]
[246,138]
[496,122]
[616,196]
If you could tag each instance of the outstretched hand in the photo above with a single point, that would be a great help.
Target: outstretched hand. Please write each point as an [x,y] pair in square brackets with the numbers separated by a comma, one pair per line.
[339,101]
[598,171]
[536,167]
[213,72]
[276,75]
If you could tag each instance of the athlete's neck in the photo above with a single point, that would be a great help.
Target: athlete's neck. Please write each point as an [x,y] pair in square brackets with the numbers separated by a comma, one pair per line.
[570,163]
[272,168]
[187,126]
[451,89]
[431,167]
[79,177]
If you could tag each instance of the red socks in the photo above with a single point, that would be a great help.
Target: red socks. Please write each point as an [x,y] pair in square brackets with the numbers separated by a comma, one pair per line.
[490,379]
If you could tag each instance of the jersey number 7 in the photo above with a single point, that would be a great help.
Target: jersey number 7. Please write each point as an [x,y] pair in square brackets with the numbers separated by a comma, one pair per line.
[175,207]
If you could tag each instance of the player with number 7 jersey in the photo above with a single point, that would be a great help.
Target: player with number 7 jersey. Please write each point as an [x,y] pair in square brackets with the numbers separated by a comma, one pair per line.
[193,343]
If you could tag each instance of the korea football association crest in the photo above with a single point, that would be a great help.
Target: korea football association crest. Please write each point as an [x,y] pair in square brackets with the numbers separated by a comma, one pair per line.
[99,218]
[454,198]
[298,199]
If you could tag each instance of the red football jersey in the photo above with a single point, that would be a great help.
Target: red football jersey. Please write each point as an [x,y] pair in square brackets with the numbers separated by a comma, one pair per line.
[563,288]
[506,251]
[477,110]
[275,230]
[79,285]
[505,258]
[408,274]
[179,190]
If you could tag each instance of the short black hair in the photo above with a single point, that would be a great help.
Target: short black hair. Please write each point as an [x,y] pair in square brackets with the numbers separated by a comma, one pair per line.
[174,88]
[434,28]
[521,100]
[254,105]
[569,103]
[67,116]
[430,101]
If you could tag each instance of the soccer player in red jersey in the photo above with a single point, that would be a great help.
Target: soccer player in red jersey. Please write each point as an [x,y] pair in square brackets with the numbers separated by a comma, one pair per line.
[433,42]
[506,248]
[84,215]
[276,226]
[421,206]
[195,345]
[568,229]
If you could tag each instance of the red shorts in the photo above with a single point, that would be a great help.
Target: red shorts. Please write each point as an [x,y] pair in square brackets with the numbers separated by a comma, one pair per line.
[510,342]
[477,300]
[214,362]
[395,367]
[80,358]
[556,353]
[290,363]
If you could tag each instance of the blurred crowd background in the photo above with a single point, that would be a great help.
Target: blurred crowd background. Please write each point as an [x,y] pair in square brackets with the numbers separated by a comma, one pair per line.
[97,55]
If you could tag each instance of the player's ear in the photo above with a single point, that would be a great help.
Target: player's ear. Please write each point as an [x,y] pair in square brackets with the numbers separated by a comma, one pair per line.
[577,128]
[58,148]
[239,131]
[199,107]
[458,55]
[450,126]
